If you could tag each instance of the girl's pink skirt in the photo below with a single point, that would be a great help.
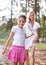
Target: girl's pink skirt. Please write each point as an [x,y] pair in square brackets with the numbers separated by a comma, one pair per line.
[17,54]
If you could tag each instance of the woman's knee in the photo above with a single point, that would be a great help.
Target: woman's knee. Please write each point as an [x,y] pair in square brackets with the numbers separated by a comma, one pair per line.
[32,52]
[32,55]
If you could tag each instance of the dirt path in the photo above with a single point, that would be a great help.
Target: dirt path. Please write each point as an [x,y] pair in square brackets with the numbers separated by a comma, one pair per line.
[40,57]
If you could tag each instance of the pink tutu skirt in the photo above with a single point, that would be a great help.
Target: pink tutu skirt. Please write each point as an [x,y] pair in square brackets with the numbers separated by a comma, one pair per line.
[17,54]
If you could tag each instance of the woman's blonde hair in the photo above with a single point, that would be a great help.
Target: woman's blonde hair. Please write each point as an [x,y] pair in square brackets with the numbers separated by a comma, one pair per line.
[28,15]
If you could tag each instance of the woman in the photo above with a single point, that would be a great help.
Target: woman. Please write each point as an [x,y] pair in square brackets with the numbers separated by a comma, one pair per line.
[32,26]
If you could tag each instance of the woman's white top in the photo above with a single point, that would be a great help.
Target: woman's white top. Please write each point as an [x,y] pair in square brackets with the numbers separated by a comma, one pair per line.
[29,41]
[19,36]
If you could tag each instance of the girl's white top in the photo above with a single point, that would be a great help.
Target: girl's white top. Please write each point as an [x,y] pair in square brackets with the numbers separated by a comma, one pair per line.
[19,36]
[29,41]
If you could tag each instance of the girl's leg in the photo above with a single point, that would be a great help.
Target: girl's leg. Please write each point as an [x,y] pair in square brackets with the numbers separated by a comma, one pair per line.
[20,63]
[13,63]
[32,55]
[27,58]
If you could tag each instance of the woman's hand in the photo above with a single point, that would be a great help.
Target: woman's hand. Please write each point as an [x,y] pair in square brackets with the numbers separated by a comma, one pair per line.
[34,41]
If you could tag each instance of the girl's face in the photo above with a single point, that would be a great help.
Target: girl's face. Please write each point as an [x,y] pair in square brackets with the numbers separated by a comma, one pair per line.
[32,16]
[21,21]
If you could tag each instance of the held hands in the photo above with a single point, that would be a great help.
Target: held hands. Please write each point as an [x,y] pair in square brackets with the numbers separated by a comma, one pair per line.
[32,34]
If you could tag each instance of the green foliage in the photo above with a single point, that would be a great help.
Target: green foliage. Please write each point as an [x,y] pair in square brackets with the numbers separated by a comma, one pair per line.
[9,25]
[14,21]
[42,30]
[41,33]
[5,28]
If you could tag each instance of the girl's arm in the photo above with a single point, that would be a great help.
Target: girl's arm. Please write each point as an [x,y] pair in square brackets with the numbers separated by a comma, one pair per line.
[29,35]
[8,41]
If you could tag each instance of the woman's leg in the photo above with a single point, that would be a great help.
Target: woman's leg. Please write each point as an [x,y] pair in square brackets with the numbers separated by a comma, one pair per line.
[32,55]
[27,57]
[13,63]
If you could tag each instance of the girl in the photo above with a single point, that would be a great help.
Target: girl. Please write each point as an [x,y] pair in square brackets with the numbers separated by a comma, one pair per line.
[17,52]
[32,26]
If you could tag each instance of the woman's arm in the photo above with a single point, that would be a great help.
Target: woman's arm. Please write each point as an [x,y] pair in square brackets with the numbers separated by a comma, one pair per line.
[36,38]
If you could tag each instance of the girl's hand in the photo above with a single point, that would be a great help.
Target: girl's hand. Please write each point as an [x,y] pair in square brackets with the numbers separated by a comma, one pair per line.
[32,34]
[4,51]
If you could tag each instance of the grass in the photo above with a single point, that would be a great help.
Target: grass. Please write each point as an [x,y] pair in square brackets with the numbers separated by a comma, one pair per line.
[41,45]
[38,45]
[2,41]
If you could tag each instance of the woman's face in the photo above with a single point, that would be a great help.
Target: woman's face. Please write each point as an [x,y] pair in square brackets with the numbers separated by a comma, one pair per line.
[32,16]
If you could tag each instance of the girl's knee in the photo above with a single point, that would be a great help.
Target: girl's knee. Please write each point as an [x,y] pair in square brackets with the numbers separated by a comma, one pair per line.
[20,63]
[13,63]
